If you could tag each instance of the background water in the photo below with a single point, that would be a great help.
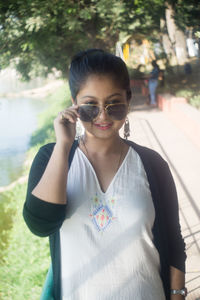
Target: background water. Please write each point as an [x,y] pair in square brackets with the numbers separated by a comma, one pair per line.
[18,119]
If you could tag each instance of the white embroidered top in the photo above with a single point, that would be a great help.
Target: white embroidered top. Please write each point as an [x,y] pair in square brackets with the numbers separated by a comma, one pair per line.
[107,251]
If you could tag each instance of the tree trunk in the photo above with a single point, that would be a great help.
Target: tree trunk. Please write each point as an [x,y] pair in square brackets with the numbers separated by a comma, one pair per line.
[167,45]
[176,36]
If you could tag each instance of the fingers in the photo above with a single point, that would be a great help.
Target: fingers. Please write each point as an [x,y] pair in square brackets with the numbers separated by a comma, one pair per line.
[69,114]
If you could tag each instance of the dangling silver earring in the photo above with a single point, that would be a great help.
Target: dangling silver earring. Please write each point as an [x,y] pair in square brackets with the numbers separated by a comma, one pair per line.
[126,129]
[79,129]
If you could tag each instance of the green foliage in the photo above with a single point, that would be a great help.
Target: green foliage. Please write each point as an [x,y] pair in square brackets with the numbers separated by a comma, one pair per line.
[25,256]
[195,101]
[186,93]
[48,33]
[5,222]
[41,35]
[193,96]
[197,34]
[187,14]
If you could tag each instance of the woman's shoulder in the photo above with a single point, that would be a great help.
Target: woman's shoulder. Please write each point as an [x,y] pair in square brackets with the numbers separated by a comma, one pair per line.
[145,151]
[151,159]
[47,149]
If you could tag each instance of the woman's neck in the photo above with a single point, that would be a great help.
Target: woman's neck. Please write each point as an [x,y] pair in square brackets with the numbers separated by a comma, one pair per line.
[102,146]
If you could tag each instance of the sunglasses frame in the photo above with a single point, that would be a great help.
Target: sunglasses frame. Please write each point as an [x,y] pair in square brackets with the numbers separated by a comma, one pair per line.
[104,108]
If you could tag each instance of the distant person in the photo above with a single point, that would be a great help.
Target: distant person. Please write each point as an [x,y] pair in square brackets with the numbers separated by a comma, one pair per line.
[108,205]
[187,68]
[153,83]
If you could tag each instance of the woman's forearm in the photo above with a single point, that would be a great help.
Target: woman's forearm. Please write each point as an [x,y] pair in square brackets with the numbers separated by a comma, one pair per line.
[177,282]
[52,185]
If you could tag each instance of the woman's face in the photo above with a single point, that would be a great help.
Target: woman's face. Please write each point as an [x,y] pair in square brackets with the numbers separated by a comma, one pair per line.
[102,90]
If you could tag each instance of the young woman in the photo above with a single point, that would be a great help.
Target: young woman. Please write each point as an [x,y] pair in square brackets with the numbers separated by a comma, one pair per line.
[108,205]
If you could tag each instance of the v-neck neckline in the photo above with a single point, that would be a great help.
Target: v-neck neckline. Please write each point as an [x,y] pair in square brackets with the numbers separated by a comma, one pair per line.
[95,175]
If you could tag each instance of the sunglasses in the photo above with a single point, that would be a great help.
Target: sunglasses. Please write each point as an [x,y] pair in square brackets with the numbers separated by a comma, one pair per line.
[88,112]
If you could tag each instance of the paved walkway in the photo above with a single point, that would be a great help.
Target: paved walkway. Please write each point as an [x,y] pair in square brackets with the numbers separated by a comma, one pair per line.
[155,129]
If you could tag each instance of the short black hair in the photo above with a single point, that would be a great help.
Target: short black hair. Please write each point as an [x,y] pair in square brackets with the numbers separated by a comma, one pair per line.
[97,62]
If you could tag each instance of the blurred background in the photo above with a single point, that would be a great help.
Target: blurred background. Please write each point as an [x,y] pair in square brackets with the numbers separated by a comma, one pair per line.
[37,41]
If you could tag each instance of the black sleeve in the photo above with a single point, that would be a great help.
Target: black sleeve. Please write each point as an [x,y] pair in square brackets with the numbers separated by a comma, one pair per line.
[176,243]
[42,218]
[167,226]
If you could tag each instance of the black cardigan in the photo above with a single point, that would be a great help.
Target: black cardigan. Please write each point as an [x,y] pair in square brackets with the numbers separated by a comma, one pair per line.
[45,219]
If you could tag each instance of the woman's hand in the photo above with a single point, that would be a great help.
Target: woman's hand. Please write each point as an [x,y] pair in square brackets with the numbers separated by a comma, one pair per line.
[177,297]
[65,125]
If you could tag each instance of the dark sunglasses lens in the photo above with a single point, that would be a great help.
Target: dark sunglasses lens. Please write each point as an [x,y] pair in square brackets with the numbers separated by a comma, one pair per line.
[88,112]
[117,112]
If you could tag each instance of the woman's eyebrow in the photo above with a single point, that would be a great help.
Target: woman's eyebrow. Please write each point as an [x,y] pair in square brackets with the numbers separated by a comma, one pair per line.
[113,95]
[93,97]
[88,96]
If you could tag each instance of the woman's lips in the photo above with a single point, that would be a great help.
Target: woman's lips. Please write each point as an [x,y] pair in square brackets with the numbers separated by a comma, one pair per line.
[103,126]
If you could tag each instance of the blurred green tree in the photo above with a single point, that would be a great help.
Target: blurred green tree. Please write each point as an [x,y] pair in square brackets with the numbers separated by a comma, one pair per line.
[47,33]
[40,35]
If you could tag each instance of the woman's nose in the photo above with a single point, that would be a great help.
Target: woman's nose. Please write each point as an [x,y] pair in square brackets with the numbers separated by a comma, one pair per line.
[102,114]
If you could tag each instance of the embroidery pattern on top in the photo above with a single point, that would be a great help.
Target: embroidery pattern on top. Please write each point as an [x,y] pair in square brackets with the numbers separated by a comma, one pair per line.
[102,215]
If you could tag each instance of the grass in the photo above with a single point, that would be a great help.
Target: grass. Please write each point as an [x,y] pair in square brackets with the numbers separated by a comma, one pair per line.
[24,258]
